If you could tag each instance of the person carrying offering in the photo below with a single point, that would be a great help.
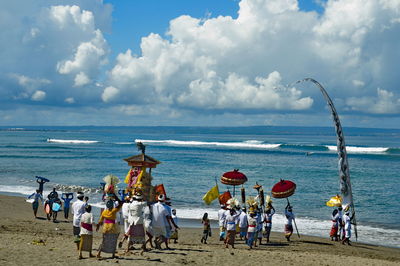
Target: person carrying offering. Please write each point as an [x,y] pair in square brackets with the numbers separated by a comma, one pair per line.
[288,222]
[269,212]
[110,227]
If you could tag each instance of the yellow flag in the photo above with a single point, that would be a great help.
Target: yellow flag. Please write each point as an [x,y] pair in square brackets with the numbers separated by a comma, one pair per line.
[211,195]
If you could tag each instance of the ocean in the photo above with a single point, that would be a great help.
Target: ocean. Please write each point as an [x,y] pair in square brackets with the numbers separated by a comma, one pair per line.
[194,158]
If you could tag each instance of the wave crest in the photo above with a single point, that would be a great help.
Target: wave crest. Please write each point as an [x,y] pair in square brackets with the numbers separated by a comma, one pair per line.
[72,141]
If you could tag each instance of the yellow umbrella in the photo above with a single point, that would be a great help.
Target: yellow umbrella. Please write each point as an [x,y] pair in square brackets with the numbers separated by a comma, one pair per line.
[335,201]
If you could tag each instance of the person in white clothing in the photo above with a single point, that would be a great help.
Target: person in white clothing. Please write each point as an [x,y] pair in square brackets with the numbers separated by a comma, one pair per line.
[160,221]
[125,214]
[347,225]
[288,222]
[243,224]
[221,222]
[232,217]
[136,210]
[78,208]
[269,212]
[86,232]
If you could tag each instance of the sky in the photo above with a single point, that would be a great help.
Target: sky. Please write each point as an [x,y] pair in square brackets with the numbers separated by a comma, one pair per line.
[199,63]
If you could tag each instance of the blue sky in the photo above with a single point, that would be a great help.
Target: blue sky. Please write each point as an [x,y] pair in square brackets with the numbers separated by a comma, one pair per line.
[178,62]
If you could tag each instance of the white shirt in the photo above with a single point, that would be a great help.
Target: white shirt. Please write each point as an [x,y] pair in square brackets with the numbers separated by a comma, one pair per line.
[87,218]
[221,217]
[289,217]
[243,220]
[160,214]
[125,210]
[136,209]
[268,218]
[78,208]
[252,224]
[231,220]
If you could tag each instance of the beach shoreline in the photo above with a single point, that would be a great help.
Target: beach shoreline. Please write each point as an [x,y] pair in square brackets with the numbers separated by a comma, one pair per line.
[26,240]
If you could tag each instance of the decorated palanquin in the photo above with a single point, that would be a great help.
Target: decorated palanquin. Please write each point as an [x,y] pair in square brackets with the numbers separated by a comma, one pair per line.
[139,176]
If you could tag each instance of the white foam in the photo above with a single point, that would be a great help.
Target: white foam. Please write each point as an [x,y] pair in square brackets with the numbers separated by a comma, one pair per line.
[24,190]
[354,149]
[245,144]
[72,141]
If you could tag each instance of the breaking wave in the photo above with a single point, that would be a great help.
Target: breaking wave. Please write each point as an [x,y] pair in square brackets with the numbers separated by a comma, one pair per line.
[72,141]
[255,144]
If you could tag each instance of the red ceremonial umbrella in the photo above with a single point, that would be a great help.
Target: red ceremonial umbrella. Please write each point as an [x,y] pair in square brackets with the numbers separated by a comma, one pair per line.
[284,189]
[233,178]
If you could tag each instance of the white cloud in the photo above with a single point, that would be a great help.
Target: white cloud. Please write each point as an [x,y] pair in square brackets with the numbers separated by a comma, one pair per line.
[109,94]
[69,100]
[81,79]
[38,96]
[211,65]
[385,102]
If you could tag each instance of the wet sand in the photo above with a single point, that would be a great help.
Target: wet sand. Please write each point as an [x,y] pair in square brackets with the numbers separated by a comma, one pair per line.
[29,241]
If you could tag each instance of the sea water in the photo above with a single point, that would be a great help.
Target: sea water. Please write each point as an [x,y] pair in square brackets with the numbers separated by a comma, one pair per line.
[194,158]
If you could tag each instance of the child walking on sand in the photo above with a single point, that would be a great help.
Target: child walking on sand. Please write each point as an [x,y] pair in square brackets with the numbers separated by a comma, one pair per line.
[174,231]
[206,228]
[86,232]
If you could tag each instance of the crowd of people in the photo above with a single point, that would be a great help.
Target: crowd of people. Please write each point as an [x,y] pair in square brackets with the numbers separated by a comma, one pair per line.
[156,224]
[251,225]
[341,225]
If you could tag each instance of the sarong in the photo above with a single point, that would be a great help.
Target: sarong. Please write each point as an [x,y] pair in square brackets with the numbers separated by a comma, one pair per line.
[159,231]
[109,244]
[136,234]
[230,237]
[243,231]
[250,238]
[267,231]
[288,230]
[86,243]
[334,231]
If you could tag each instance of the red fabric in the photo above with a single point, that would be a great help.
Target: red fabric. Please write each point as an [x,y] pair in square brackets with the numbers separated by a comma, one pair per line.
[283,189]
[159,189]
[108,221]
[88,227]
[224,197]
[233,178]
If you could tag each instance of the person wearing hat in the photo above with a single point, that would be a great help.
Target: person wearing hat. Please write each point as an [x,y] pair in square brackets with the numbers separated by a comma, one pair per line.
[160,221]
[251,227]
[269,212]
[347,225]
[288,222]
[77,209]
[136,211]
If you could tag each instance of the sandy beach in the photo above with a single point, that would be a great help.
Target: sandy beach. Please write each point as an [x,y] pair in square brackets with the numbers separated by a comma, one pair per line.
[29,241]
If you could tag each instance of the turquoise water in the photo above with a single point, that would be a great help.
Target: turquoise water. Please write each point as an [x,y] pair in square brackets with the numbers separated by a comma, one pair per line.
[193,157]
